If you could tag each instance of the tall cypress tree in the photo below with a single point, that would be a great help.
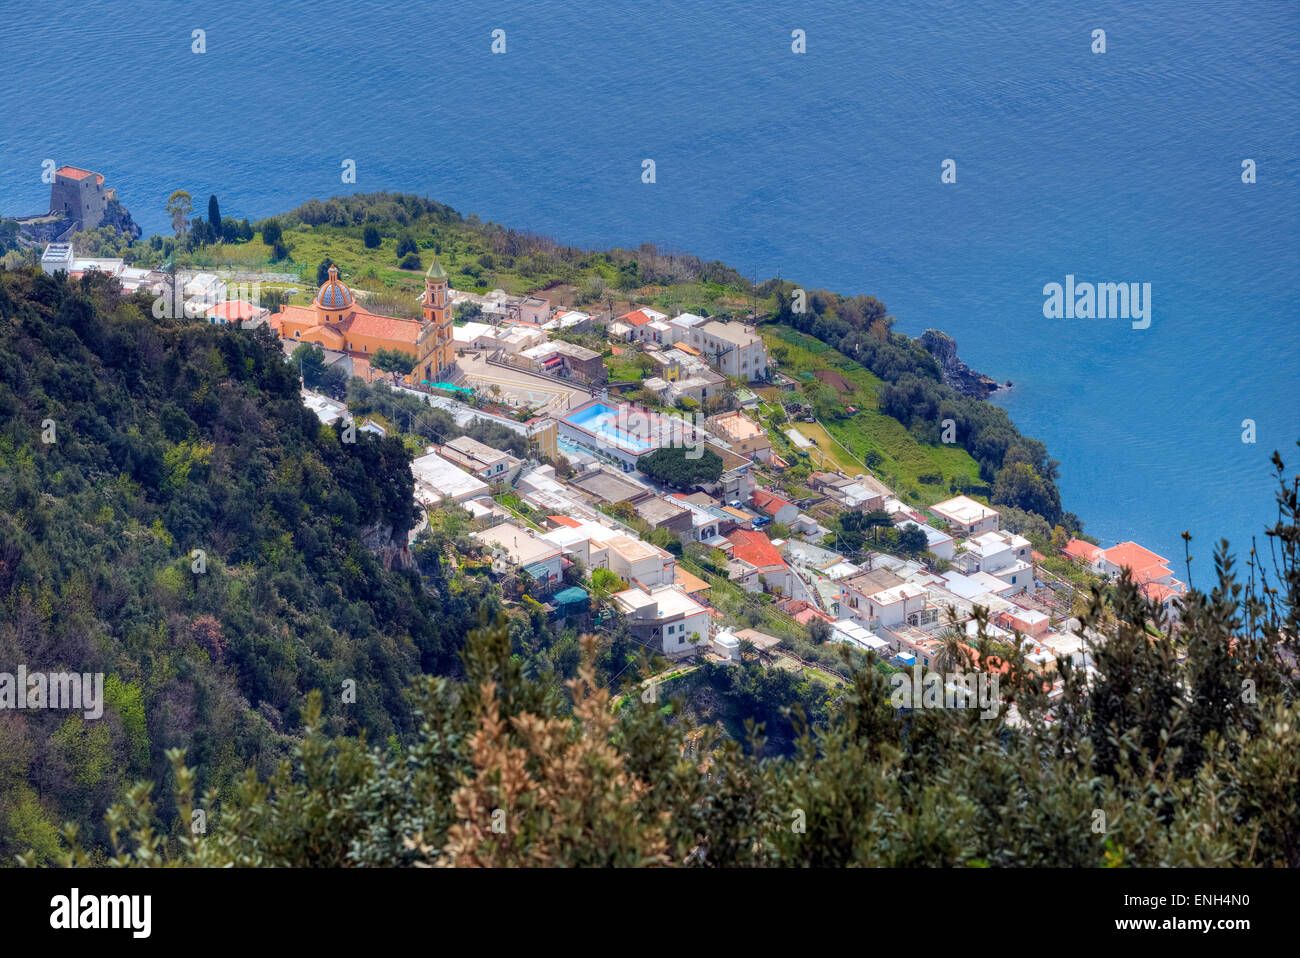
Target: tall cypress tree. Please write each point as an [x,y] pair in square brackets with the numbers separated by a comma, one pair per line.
[214,217]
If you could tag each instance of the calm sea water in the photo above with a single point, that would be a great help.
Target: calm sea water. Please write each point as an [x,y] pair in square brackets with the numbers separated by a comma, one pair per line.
[823,168]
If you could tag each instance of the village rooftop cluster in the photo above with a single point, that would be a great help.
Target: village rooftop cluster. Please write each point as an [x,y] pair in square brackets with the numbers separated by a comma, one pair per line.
[972,574]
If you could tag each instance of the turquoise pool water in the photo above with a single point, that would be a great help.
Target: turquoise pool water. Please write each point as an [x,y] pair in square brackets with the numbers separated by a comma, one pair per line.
[601,419]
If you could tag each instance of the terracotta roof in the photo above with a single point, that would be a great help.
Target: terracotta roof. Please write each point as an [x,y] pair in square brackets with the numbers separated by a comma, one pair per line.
[688,582]
[565,521]
[754,548]
[634,318]
[1130,555]
[76,173]
[804,612]
[769,502]
[1078,549]
[327,336]
[294,314]
[1157,592]
[365,323]
[234,309]
[358,321]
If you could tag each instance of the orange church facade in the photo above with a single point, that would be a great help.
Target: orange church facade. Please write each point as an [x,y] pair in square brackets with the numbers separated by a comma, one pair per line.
[335,321]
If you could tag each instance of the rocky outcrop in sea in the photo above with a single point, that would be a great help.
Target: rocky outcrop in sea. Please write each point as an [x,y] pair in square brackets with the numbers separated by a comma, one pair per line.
[955,372]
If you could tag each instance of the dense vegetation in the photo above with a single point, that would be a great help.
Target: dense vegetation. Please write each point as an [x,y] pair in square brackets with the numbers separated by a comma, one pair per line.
[682,467]
[172,516]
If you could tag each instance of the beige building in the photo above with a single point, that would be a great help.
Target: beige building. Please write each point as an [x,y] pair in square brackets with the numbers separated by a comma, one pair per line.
[744,435]
[734,349]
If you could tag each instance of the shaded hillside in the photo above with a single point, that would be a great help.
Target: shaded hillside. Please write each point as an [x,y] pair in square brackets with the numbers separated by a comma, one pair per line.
[126,444]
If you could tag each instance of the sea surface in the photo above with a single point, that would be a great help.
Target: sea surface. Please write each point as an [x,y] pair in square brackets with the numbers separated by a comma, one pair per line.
[822,167]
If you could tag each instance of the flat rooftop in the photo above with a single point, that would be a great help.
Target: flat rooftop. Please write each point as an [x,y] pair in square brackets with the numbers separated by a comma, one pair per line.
[736,333]
[963,510]
[656,511]
[522,545]
[607,486]
[736,426]
[672,602]
[439,479]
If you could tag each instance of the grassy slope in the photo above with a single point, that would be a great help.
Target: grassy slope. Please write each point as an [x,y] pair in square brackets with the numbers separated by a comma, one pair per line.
[868,429]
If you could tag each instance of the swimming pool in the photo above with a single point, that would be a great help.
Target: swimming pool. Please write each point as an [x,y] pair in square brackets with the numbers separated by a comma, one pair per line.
[602,420]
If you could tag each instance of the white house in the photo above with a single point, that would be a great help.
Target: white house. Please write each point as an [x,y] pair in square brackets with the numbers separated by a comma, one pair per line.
[966,515]
[600,547]
[437,480]
[667,618]
[1004,555]
[524,548]
[880,598]
[482,460]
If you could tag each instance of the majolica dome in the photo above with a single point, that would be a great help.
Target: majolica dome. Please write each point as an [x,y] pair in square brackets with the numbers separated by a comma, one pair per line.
[334,294]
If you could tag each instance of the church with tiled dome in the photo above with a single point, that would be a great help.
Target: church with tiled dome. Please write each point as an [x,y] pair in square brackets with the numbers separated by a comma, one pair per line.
[335,321]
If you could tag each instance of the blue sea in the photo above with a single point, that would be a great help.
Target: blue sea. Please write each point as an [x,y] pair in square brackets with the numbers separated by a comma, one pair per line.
[822,167]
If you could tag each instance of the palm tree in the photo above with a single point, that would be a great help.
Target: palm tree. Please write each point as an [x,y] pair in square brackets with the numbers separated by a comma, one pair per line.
[953,656]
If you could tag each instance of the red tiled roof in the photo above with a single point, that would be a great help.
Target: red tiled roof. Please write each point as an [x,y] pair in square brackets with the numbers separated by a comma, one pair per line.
[769,502]
[358,321]
[754,548]
[1078,549]
[327,336]
[365,323]
[234,310]
[805,612]
[1130,555]
[634,318]
[565,521]
[76,173]
[1157,592]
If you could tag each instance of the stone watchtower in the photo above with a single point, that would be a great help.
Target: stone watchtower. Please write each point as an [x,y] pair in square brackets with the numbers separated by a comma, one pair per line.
[435,348]
[79,195]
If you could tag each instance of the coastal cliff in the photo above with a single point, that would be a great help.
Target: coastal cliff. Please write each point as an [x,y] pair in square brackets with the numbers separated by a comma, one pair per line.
[955,372]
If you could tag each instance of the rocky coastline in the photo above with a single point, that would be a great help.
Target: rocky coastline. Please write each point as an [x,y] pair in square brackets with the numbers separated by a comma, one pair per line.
[955,372]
